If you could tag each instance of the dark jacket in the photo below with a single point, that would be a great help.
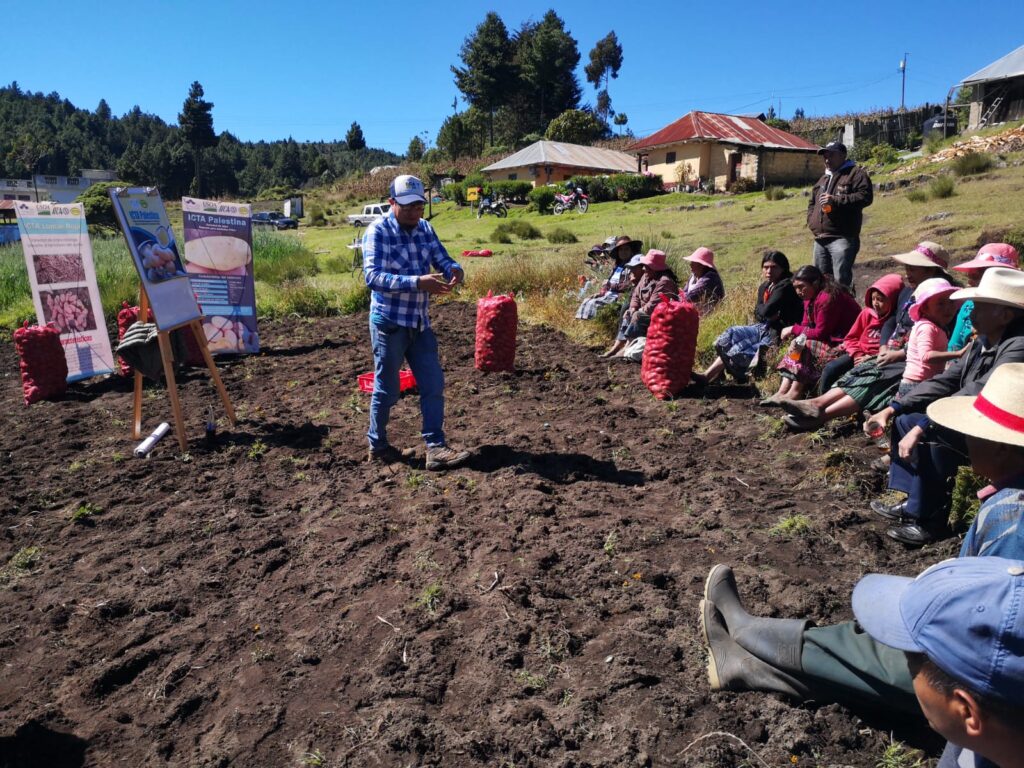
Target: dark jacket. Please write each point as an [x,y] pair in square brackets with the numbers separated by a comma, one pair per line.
[778,306]
[648,293]
[851,194]
[968,374]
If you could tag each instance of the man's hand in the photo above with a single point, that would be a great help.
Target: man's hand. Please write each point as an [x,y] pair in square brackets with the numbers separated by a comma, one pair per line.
[458,276]
[879,421]
[433,284]
[909,443]
[826,199]
[890,356]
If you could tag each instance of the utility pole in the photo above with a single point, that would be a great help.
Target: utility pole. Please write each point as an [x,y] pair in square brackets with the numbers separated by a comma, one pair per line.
[903,87]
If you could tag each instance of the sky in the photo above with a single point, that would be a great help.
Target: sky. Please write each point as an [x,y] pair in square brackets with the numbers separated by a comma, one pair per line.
[309,69]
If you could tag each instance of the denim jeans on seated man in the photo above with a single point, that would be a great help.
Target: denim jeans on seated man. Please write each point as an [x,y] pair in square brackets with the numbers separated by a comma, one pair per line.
[836,256]
[928,477]
[393,344]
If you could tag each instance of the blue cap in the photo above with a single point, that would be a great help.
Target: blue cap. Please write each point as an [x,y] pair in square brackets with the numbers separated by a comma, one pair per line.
[966,615]
[407,189]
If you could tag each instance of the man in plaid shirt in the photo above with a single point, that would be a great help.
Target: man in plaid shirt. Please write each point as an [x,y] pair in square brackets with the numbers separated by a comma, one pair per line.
[398,253]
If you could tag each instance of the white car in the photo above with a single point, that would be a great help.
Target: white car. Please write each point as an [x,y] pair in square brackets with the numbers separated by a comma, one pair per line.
[369,215]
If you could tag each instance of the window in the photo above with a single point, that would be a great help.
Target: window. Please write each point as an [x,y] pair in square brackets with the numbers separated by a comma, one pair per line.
[513,176]
[72,181]
[670,157]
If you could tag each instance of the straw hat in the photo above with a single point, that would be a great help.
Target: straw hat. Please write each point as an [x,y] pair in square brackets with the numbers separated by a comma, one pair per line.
[997,414]
[654,260]
[634,245]
[998,286]
[927,290]
[703,256]
[926,254]
[992,255]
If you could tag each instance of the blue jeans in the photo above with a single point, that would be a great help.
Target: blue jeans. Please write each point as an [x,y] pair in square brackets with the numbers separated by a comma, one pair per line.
[928,477]
[393,344]
[836,257]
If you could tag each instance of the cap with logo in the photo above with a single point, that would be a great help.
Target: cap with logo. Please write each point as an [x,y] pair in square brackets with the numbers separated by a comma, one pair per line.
[833,146]
[406,190]
[966,615]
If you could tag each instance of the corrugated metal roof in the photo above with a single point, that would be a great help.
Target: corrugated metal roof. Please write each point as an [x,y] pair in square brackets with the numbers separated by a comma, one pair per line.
[732,129]
[1011,65]
[560,153]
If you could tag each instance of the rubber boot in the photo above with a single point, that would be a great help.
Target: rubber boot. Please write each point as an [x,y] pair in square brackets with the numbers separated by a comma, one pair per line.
[776,641]
[731,668]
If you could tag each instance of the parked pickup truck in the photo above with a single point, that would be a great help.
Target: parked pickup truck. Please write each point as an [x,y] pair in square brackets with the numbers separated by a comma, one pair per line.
[369,215]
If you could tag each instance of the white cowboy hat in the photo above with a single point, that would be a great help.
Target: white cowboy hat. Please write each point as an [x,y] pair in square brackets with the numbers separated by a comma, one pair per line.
[997,414]
[926,254]
[998,286]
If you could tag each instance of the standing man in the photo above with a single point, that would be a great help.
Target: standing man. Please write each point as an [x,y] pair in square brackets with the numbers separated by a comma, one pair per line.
[836,212]
[398,253]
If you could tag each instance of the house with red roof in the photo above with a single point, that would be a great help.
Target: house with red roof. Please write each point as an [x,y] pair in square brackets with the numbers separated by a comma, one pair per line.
[718,148]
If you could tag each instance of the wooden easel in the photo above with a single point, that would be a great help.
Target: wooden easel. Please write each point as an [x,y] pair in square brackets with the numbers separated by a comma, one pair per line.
[164,340]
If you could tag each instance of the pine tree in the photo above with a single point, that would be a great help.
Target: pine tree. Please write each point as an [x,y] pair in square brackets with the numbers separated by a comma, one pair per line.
[548,58]
[196,124]
[488,77]
[416,149]
[354,138]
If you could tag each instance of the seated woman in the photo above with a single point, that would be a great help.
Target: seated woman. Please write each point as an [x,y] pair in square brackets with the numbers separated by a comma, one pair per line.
[864,338]
[657,279]
[776,306]
[705,287]
[871,385]
[829,311]
[990,255]
[622,250]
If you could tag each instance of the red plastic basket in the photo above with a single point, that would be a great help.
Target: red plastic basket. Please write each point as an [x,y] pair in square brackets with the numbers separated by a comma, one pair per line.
[405,381]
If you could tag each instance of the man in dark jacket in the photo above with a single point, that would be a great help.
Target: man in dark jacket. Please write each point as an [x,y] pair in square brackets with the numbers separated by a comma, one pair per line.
[925,458]
[836,211]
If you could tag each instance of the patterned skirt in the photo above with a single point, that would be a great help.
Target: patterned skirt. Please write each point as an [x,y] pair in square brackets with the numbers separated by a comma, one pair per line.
[871,385]
[740,348]
[587,310]
[806,367]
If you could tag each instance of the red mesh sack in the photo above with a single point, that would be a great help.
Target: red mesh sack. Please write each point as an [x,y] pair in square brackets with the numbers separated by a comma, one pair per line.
[496,321]
[125,317]
[44,369]
[671,347]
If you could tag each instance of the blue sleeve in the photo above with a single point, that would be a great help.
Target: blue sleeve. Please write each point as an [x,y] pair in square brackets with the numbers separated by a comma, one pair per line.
[962,330]
[375,252]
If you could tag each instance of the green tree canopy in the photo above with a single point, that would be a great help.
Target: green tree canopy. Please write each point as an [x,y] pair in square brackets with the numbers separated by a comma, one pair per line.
[548,56]
[487,76]
[196,123]
[354,138]
[575,126]
[605,62]
[416,149]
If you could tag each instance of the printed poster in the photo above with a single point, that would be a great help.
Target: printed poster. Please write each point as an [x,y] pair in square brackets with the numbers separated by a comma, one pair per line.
[147,230]
[58,255]
[218,259]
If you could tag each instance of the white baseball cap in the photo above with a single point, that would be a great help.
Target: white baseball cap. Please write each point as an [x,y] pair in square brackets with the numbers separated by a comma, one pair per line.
[407,189]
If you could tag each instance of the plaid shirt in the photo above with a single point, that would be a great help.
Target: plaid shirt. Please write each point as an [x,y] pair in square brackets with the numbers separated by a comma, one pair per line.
[393,259]
[997,529]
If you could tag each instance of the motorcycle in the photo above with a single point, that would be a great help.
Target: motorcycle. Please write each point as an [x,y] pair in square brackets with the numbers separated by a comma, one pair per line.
[578,200]
[494,208]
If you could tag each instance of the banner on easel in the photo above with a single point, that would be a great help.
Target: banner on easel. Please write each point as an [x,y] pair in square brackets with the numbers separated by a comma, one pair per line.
[58,255]
[218,259]
[147,230]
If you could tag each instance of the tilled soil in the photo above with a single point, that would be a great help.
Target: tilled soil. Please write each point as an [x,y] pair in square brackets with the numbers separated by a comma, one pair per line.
[269,599]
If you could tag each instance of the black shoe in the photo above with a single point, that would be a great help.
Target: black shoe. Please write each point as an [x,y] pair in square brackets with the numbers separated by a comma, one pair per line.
[910,533]
[894,513]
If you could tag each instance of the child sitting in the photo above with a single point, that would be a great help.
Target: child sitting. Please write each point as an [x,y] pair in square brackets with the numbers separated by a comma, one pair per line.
[932,312]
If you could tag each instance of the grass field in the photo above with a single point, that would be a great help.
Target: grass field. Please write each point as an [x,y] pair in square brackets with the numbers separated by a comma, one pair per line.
[310,272]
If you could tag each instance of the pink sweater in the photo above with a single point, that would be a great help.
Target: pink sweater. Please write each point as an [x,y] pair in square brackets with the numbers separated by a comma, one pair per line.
[925,337]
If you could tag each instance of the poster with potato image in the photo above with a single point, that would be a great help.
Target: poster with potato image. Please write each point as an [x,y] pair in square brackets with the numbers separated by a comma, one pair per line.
[147,231]
[58,254]
[218,260]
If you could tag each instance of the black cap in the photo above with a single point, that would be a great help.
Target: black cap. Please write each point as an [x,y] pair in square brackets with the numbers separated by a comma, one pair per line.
[833,146]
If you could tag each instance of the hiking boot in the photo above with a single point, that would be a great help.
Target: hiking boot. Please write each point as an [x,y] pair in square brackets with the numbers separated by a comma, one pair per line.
[389,455]
[441,457]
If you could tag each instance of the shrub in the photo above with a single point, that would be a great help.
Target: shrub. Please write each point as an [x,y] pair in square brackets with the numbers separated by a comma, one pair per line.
[513,191]
[630,186]
[941,187]
[917,195]
[561,235]
[316,216]
[276,193]
[775,193]
[933,143]
[965,503]
[356,300]
[884,154]
[501,234]
[742,186]
[305,299]
[971,163]
[524,229]
[597,187]
[541,199]
[278,258]
[454,192]
[99,210]
[607,318]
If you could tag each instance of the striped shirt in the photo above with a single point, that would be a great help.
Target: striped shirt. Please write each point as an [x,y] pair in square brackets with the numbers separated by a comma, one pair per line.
[997,530]
[393,260]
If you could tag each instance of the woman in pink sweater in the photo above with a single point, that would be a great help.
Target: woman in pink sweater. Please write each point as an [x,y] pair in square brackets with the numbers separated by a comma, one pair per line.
[829,312]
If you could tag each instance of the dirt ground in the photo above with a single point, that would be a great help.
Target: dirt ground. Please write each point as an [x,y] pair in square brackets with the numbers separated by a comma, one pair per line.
[271,600]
